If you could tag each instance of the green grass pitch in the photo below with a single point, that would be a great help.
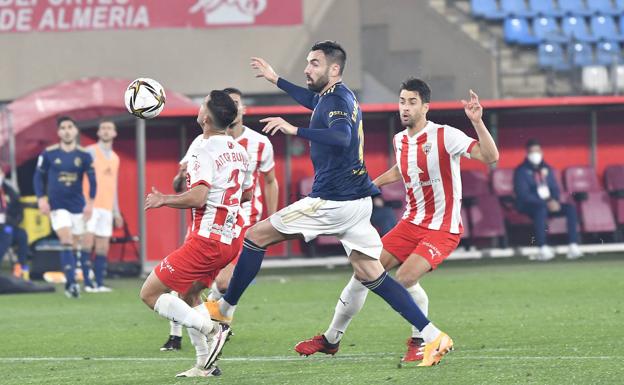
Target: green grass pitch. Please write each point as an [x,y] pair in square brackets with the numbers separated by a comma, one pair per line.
[512,322]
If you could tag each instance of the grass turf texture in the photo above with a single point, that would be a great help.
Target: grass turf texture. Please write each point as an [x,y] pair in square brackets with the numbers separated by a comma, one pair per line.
[513,323]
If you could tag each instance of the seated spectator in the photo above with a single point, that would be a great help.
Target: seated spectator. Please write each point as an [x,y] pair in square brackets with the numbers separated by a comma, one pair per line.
[11,215]
[538,196]
[383,217]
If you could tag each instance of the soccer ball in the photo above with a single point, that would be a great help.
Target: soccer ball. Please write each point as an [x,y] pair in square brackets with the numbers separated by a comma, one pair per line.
[145,98]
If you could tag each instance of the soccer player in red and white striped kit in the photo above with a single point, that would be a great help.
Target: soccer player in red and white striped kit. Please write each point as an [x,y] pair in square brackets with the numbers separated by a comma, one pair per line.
[428,158]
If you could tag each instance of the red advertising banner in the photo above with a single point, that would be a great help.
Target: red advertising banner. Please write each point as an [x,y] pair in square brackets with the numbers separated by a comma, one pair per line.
[87,15]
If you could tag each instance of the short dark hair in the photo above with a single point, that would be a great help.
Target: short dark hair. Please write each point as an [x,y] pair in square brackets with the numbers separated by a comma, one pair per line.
[233,90]
[64,118]
[107,121]
[417,85]
[333,52]
[222,108]
[532,142]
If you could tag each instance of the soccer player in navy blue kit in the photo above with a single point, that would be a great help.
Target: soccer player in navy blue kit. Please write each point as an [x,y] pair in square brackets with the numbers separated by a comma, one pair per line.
[58,185]
[340,203]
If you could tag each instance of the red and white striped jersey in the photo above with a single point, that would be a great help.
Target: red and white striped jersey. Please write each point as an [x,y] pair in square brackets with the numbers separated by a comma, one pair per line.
[261,160]
[429,164]
[223,165]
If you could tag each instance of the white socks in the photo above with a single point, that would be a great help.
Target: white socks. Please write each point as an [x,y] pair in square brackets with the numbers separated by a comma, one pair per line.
[175,329]
[215,294]
[420,297]
[430,333]
[349,304]
[174,309]
[202,350]
[226,309]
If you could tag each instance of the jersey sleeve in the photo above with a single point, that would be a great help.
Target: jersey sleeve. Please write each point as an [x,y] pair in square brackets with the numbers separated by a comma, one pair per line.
[43,165]
[337,111]
[248,180]
[458,143]
[267,159]
[90,171]
[187,155]
[201,169]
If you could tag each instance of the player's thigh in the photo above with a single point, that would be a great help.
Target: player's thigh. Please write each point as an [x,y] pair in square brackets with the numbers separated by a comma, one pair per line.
[356,233]
[102,245]
[88,241]
[388,260]
[192,296]
[414,268]
[152,288]
[264,234]
[365,268]
[64,235]
[61,222]
[224,277]
[78,225]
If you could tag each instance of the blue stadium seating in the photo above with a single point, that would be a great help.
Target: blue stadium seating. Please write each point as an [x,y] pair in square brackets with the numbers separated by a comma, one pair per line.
[608,53]
[582,54]
[545,8]
[545,28]
[552,56]
[487,9]
[575,28]
[619,5]
[516,30]
[516,8]
[604,7]
[574,7]
[603,27]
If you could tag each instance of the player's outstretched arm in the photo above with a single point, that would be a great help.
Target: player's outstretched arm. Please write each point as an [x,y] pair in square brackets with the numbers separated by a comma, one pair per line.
[390,176]
[485,150]
[302,95]
[194,198]
[38,184]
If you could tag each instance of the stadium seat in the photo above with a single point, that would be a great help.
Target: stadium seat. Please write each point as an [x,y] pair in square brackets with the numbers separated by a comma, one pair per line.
[608,53]
[516,30]
[604,7]
[487,9]
[552,56]
[619,6]
[545,8]
[596,214]
[614,184]
[465,223]
[575,28]
[603,27]
[595,80]
[516,8]
[545,28]
[582,55]
[486,217]
[580,180]
[474,183]
[574,7]
[503,188]
[394,195]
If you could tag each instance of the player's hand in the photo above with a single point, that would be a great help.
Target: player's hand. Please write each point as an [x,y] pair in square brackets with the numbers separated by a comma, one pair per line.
[118,220]
[472,108]
[44,206]
[553,206]
[87,211]
[274,125]
[264,69]
[154,200]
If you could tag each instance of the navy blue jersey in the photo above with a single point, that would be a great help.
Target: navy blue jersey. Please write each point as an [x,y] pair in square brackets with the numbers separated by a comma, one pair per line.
[336,142]
[59,176]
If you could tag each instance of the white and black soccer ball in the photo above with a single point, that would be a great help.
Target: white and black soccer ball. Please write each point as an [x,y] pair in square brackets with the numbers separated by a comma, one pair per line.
[145,98]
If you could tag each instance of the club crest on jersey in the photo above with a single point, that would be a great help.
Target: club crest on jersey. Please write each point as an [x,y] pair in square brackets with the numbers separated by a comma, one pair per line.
[230,145]
[77,162]
[426,148]
[57,161]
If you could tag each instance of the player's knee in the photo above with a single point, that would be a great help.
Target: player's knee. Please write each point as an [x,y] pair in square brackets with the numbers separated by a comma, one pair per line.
[406,279]
[258,234]
[147,297]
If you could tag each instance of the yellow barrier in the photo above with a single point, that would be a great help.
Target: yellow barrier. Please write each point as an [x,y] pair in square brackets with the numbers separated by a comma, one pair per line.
[37,226]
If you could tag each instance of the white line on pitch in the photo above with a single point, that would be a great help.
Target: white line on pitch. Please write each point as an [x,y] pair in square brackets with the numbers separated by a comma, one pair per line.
[291,358]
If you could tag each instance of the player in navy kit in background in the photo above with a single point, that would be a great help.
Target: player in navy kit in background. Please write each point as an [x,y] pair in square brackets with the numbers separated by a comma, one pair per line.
[340,203]
[58,185]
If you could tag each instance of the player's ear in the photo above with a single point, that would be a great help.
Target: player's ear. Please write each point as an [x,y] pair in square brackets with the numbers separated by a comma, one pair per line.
[334,69]
[426,107]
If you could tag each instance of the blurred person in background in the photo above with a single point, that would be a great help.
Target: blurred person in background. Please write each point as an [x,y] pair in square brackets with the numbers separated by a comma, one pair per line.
[11,215]
[538,196]
[58,186]
[105,207]
[383,217]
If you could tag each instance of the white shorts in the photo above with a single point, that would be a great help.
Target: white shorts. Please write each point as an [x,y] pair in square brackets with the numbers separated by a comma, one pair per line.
[100,223]
[62,218]
[349,221]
